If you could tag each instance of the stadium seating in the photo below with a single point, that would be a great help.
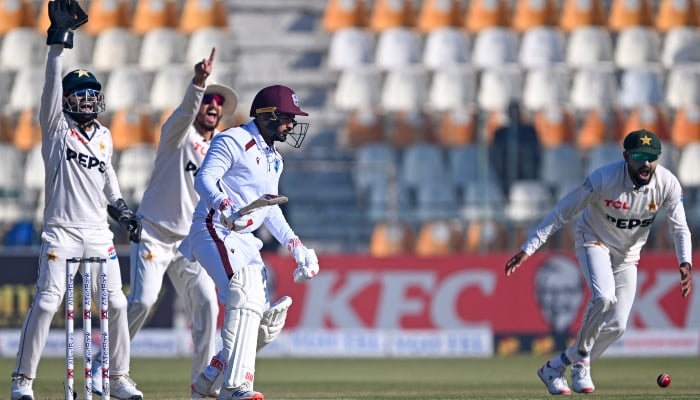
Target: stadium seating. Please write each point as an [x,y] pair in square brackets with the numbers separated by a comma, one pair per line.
[452,88]
[397,48]
[115,48]
[351,47]
[341,14]
[198,14]
[106,15]
[542,46]
[485,14]
[162,47]
[446,47]
[391,14]
[438,14]
[437,238]
[589,45]
[576,14]
[150,15]
[545,87]
[22,47]
[625,14]
[675,13]
[529,14]
[392,238]
[681,45]
[15,14]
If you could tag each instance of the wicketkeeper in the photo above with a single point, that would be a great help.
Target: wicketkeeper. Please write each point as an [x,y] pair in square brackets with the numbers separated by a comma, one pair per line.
[80,183]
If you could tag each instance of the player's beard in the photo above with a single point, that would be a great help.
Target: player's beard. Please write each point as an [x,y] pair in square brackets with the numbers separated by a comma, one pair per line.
[641,176]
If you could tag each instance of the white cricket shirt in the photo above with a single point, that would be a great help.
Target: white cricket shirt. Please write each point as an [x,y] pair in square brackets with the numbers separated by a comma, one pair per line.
[170,198]
[240,166]
[80,179]
[619,215]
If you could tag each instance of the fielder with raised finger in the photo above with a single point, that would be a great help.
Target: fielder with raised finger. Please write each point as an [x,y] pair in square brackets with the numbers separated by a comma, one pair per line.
[238,188]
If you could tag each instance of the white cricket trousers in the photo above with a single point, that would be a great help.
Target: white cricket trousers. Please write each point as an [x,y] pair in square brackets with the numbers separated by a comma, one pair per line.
[156,254]
[613,285]
[59,244]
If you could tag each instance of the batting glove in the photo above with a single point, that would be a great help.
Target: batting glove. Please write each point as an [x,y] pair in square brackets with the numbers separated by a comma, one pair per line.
[307,261]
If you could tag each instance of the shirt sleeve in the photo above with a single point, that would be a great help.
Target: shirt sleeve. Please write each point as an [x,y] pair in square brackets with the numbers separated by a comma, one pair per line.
[569,205]
[278,226]
[176,127]
[111,189]
[51,108]
[678,225]
[219,159]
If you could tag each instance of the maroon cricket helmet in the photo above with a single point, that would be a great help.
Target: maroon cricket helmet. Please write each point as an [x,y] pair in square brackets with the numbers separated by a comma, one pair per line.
[278,99]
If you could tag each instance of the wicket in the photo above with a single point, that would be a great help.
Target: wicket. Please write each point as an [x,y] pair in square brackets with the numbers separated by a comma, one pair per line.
[87,325]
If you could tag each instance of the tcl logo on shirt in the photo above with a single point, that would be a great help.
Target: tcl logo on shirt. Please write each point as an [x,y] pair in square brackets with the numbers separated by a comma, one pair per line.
[629,223]
[616,204]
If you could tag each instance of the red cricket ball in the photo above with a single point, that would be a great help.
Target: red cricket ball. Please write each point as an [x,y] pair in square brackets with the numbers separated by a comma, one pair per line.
[663,380]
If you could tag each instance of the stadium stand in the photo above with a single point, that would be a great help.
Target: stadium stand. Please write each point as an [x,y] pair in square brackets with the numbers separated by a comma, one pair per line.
[380,78]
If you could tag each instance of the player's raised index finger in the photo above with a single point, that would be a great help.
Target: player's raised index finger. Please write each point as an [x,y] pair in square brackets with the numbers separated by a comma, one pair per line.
[211,56]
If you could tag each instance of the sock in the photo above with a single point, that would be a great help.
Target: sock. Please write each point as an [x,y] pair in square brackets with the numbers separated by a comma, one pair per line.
[560,362]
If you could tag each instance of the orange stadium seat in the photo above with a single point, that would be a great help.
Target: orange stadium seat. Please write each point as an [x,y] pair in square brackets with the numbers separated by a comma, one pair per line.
[483,14]
[340,14]
[130,127]
[387,14]
[16,14]
[579,13]
[599,126]
[650,117]
[198,14]
[106,14]
[485,235]
[685,128]
[457,127]
[555,125]
[533,13]
[625,13]
[364,126]
[676,13]
[437,238]
[152,14]
[439,14]
[392,238]
[27,132]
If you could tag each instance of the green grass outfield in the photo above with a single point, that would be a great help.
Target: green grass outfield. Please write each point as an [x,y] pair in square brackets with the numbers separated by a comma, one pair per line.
[495,378]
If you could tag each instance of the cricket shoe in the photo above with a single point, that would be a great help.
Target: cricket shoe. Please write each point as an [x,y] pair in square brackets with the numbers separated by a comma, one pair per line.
[554,379]
[581,380]
[97,375]
[21,388]
[240,393]
[123,388]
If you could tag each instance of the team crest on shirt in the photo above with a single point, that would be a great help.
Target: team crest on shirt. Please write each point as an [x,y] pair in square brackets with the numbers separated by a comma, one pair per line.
[257,160]
[149,256]
[51,255]
[102,146]
[112,253]
[652,206]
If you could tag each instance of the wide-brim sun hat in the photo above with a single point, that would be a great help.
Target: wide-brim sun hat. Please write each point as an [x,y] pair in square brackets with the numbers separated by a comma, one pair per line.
[229,95]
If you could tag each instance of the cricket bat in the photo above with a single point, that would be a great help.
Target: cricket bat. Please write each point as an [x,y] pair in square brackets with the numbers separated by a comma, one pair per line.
[264,201]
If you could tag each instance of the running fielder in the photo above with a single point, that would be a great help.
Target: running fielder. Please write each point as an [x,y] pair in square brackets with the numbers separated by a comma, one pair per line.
[80,183]
[242,166]
[619,202]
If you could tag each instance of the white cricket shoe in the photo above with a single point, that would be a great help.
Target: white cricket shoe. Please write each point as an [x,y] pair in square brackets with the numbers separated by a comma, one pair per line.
[123,388]
[21,388]
[554,379]
[581,378]
[97,375]
[240,393]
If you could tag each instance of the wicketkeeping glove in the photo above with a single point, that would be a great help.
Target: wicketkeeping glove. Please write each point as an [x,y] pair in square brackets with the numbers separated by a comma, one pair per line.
[121,213]
[307,261]
[65,16]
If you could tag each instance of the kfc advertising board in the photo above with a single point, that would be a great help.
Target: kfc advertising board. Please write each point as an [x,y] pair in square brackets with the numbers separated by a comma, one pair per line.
[537,309]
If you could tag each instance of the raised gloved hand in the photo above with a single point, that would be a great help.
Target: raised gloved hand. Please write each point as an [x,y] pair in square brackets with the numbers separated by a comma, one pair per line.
[231,218]
[126,218]
[307,261]
[65,16]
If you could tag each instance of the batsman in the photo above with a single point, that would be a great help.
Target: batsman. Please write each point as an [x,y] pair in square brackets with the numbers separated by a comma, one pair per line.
[237,186]
[80,183]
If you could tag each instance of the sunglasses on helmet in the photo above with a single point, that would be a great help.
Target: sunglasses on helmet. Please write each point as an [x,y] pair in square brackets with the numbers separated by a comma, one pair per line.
[642,157]
[208,98]
[86,92]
